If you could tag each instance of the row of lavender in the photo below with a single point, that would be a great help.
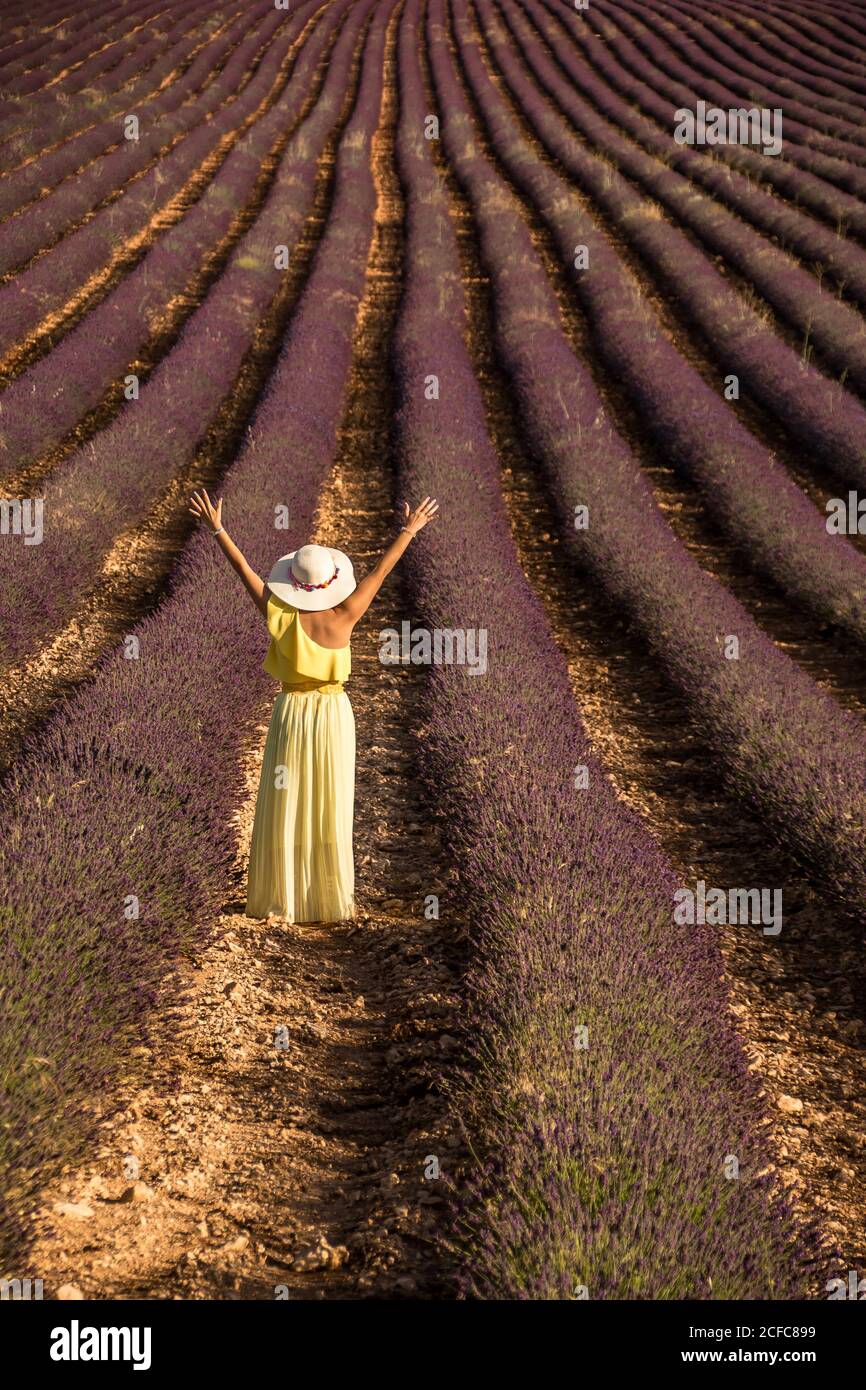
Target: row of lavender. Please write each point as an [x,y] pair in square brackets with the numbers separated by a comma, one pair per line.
[51,115]
[817,409]
[78,243]
[829,86]
[76,42]
[776,528]
[81,243]
[840,132]
[46,403]
[666,71]
[631,70]
[116,825]
[109,483]
[830,83]
[816,58]
[604,1082]
[87,58]
[42,189]
[832,31]
[793,292]
[50,30]
[52,22]
[616,89]
[788,747]
[54,32]
[677,77]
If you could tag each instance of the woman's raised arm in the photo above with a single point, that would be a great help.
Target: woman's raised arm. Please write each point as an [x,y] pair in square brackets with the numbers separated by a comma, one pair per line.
[356,605]
[202,507]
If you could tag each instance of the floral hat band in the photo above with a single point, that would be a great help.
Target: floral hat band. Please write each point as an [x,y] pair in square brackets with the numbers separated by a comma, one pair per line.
[296,583]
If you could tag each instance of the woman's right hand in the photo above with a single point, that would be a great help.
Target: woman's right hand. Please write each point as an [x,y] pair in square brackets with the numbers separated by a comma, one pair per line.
[415,521]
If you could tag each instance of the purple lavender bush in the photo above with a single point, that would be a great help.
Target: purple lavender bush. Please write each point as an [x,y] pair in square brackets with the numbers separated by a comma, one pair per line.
[776,528]
[43,286]
[624,69]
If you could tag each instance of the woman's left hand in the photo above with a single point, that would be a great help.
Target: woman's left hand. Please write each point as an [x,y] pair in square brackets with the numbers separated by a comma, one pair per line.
[413,522]
[200,505]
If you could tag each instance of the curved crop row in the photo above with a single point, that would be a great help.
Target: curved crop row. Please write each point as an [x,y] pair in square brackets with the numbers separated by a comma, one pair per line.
[776,528]
[763,263]
[161,143]
[58,118]
[836,329]
[32,37]
[736,50]
[17,15]
[79,63]
[73,378]
[814,409]
[569,897]
[611,54]
[837,27]
[787,746]
[68,36]
[58,26]
[807,57]
[816,51]
[30,111]
[676,78]
[96,54]
[804,121]
[120,764]
[39,179]
[834,90]
[55,25]
[109,483]
[49,27]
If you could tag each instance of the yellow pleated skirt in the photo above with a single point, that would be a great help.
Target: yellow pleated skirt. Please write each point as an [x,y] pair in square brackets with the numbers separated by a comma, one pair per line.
[301,863]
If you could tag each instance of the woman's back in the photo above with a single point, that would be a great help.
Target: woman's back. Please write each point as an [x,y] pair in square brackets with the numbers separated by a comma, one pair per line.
[331,628]
[295,657]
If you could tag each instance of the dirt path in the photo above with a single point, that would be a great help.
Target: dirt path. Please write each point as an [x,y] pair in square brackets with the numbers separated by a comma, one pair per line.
[260,1163]
[800,1008]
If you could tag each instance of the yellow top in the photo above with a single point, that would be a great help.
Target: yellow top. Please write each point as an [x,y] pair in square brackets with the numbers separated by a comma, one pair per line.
[294,658]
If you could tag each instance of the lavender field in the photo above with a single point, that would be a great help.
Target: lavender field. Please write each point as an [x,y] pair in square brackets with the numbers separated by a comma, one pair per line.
[592,273]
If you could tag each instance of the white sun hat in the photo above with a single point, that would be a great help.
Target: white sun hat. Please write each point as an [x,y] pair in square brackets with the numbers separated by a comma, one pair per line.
[313,578]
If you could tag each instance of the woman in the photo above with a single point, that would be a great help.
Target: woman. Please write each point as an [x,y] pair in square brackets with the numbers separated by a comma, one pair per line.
[301,865]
